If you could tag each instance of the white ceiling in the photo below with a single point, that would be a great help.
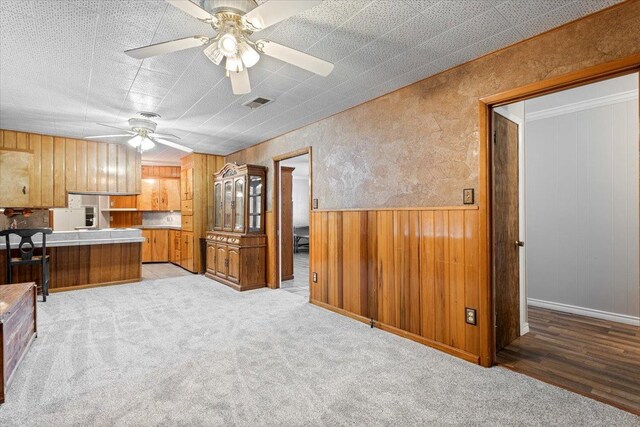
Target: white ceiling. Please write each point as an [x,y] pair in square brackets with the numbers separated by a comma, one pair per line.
[62,66]
[300,163]
[624,85]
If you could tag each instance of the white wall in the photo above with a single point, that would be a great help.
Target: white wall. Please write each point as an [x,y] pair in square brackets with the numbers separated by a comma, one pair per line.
[300,191]
[300,201]
[582,211]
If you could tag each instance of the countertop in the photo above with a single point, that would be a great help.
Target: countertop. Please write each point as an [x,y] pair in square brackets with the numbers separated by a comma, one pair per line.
[159,227]
[105,236]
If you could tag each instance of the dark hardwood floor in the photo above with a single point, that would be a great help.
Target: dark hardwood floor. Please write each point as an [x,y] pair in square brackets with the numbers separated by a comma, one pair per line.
[597,358]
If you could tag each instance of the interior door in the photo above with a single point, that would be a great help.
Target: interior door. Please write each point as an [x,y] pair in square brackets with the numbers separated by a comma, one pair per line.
[286,222]
[506,251]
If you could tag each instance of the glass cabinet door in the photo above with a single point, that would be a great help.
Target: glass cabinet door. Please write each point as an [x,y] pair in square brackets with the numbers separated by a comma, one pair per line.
[238,223]
[217,205]
[228,204]
[255,204]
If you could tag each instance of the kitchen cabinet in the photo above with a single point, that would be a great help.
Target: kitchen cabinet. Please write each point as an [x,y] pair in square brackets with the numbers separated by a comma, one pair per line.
[186,250]
[147,253]
[159,194]
[186,184]
[169,191]
[155,247]
[66,165]
[174,246]
[15,178]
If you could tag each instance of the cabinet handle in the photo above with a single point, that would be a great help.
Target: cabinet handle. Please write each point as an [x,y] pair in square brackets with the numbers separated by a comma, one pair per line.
[24,190]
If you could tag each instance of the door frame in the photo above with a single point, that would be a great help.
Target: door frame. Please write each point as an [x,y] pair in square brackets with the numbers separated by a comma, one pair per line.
[276,205]
[486,320]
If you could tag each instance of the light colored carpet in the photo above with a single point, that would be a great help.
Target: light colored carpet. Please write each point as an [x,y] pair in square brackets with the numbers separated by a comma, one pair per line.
[189,351]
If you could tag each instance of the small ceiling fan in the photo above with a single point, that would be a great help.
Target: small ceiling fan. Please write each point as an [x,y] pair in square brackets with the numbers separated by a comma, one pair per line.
[142,134]
[234,21]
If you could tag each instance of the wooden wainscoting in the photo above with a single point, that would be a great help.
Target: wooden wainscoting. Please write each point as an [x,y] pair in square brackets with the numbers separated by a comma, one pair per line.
[413,271]
[78,267]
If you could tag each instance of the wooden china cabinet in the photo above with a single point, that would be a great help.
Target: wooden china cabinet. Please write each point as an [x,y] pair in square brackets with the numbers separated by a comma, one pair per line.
[237,245]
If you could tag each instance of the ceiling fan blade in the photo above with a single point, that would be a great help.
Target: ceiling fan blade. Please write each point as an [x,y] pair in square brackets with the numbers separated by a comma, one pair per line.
[240,83]
[167,47]
[273,11]
[106,136]
[193,10]
[295,57]
[172,145]
[165,135]
[129,131]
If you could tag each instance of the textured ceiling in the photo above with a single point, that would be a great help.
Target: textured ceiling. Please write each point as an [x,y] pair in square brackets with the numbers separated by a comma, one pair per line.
[62,66]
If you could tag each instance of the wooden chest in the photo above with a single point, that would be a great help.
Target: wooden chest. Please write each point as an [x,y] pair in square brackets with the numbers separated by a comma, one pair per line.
[17,328]
[238,261]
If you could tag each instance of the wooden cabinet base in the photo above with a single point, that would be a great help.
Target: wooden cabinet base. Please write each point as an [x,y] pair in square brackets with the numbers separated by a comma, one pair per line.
[233,285]
[79,267]
[238,261]
[17,328]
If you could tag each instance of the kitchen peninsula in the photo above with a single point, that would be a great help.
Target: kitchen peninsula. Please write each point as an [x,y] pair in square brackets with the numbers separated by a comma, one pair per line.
[83,259]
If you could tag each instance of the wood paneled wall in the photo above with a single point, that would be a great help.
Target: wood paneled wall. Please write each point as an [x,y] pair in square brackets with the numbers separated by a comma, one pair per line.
[77,267]
[63,165]
[149,171]
[412,271]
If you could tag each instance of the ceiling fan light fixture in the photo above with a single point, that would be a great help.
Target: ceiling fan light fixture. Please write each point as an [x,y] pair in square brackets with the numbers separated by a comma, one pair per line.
[146,144]
[234,64]
[214,54]
[135,141]
[228,44]
[248,55]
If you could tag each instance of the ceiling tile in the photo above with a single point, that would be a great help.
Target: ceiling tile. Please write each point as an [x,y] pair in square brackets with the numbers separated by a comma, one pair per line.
[63,66]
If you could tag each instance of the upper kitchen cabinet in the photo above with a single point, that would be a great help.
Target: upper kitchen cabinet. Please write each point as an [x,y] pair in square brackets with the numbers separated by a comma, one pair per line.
[65,165]
[159,194]
[15,177]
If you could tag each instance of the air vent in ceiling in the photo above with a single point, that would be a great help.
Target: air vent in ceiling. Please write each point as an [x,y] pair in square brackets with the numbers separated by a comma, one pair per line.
[257,103]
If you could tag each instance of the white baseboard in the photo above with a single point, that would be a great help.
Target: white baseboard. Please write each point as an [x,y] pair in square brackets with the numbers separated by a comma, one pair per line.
[598,314]
[524,328]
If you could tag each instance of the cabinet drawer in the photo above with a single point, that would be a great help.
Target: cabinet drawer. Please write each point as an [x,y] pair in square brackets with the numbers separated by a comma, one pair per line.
[187,207]
[187,223]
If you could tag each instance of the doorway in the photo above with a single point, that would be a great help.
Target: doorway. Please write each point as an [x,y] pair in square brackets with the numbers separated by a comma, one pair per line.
[293,215]
[565,197]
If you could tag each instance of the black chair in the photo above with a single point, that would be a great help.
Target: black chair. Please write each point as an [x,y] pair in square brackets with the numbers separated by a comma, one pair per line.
[300,238]
[26,249]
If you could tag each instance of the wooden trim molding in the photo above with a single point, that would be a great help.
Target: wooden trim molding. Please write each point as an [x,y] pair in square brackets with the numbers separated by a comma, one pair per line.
[626,65]
[273,249]
[431,208]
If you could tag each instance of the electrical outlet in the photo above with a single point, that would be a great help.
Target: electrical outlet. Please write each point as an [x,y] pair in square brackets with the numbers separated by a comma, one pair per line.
[315,203]
[467,196]
[470,316]
[315,277]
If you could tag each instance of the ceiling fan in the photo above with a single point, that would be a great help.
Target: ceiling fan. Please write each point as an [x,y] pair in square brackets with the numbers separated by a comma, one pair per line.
[234,21]
[142,134]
